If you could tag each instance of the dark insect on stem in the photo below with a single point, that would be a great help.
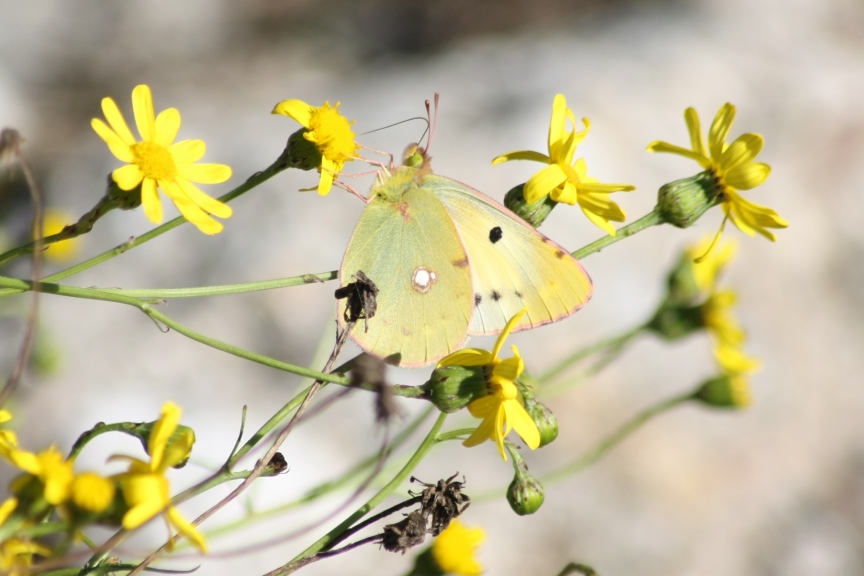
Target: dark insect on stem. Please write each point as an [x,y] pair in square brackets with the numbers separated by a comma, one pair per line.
[361,299]
[442,501]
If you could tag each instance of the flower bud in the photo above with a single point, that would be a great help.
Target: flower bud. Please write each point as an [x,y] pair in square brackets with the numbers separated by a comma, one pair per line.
[301,153]
[544,419]
[681,284]
[535,213]
[724,392]
[123,199]
[452,387]
[682,202]
[143,430]
[525,494]
[673,321]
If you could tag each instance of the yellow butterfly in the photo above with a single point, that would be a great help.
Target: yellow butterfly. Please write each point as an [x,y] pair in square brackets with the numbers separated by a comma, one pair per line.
[447,262]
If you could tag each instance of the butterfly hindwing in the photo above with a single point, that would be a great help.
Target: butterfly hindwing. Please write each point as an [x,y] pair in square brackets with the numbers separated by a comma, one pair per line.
[407,244]
[512,264]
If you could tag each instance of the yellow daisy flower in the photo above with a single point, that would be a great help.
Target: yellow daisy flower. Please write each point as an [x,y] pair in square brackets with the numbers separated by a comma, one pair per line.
[564,180]
[502,408]
[16,555]
[329,131]
[733,167]
[454,549]
[92,492]
[146,489]
[50,467]
[156,162]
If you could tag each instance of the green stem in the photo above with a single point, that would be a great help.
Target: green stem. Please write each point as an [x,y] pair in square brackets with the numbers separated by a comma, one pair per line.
[397,481]
[160,293]
[256,179]
[615,438]
[326,487]
[653,218]
[615,342]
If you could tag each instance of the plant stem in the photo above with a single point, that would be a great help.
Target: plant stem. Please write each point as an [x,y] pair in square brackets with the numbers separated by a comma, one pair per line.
[615,438]
[397,480]
[653,218]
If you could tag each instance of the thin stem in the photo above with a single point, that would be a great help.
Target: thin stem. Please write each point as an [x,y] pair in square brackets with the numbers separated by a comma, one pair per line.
[256,179]
[616,341]
[397,481]
[653,218]
[615,438]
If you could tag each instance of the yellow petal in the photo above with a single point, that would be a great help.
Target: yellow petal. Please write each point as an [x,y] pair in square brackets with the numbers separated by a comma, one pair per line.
[522,423]
[179,450]
[483,406]
[747,176]
[506,372]
[7,508]
[161,433]
[467,357]
[187,151]
[128,177]
[187,529]
[296,109]
[326,181]
[150,201]
[506,332]
[557,123]
[665,147]
[543,182]
[142,107]
[744,149]
[197,216]
[117,122]
[499,432]
[483,432]
[204,201]
[204,173]
[720,130]
[115,144]
[141,513]
[599,221]
[694,129]
[602,206]
[166,127]
[522,155]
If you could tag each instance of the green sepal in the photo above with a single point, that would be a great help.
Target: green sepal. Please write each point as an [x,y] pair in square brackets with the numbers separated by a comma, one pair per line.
[452,387]
[535,213]
[682,202]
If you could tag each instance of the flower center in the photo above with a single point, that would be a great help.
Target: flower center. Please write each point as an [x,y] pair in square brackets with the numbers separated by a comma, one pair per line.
[332,133]
[155,161]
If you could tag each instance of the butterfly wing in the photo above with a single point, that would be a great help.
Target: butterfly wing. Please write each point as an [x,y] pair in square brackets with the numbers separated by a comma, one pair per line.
[512,264]
[407,245]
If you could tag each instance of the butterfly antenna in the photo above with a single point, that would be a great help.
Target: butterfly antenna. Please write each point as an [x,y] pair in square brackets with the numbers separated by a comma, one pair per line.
[395,124]
[432,115]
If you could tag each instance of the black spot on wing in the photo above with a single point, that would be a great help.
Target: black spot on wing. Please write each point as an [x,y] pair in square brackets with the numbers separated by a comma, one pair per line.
[495,295]
[495,234]
[477,299]
[518,294]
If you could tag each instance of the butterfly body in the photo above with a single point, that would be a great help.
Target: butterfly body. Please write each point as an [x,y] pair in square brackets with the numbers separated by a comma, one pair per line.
[449,262]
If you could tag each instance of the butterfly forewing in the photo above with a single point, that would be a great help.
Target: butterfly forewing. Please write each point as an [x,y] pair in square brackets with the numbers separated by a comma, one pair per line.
[512,265]
[407,244]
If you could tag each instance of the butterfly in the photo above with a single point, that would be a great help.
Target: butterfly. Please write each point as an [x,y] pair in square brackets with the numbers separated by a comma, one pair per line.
[449,262]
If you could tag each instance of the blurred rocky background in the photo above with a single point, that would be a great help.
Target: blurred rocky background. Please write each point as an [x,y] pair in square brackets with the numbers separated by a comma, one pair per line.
[775,490]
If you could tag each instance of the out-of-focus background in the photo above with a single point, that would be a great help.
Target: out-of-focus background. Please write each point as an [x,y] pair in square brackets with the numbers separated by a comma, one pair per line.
[773,490]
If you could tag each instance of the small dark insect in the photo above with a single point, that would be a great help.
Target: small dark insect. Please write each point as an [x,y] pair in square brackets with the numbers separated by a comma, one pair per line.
[403,535]
[495,234]
[361,298]
[442,501]
[278,463]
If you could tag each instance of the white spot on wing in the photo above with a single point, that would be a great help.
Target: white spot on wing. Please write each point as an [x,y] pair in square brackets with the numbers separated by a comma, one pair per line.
[423,278]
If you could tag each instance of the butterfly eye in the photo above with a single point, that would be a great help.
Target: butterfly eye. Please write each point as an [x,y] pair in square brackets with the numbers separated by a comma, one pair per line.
[495,234]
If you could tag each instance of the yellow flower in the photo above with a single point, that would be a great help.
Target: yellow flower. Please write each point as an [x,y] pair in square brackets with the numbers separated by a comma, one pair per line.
[733,167]
[502,408]
[53,222]
[710,264]
[50,467]
[454,549]
[157,162]
[564,180]
[329,131]
[146,489]
[7,508]
[727,334]
[8,439]
[92,492]
[16,555]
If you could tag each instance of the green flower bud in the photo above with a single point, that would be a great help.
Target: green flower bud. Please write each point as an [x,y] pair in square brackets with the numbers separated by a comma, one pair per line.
[544,419]
[452,387]
[534,213]
[115,196]
[301,153]
[681,285]
[673,321]
[724,392]
[525,494]
[682,202]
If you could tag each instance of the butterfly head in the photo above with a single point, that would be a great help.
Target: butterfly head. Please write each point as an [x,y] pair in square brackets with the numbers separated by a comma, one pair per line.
[415,156]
